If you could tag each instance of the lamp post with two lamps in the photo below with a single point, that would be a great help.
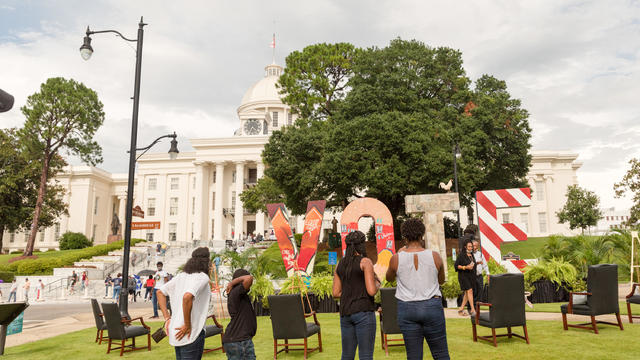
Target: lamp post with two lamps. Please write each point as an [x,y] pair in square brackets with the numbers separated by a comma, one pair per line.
[86,50]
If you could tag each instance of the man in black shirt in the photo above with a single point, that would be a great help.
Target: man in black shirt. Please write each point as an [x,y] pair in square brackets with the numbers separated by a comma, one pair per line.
[242,328]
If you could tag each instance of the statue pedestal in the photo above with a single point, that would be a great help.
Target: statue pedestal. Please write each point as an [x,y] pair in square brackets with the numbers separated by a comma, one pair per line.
[113,238]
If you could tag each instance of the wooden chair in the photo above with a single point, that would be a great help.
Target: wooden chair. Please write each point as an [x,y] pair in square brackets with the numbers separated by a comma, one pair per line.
[288,321]
[506,308]
[213,330]
[632,299]
[118,330]
[389,318]
[602,298]
[99,318]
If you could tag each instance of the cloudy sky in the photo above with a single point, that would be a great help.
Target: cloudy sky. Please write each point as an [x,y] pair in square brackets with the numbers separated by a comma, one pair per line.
[574,64]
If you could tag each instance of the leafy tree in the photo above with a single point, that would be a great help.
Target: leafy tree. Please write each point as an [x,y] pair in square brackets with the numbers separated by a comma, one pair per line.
[74,240]
[19,180]
[630,183]
[581,209]
[266,191]
[63,116]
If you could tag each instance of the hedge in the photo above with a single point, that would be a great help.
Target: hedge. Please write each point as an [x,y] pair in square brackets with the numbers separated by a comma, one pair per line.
[45,265]
[7,276]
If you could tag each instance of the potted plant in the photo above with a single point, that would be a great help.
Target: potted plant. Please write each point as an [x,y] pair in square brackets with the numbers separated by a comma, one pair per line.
[451,288]
[260,290]
[322,288]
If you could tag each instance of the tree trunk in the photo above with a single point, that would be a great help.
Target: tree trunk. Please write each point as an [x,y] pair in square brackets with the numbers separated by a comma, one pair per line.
[28,250]
[1,237]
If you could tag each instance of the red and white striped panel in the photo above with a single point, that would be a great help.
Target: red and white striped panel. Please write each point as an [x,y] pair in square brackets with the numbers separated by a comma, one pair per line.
[492,232]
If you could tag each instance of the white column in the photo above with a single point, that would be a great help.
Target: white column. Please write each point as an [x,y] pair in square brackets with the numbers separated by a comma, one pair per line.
[122,202]
[200,227]
[260,215]
[217,211]
[548,179]
[239,218]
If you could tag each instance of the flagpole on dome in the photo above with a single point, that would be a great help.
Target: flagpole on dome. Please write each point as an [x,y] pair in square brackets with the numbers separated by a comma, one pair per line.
[273,46]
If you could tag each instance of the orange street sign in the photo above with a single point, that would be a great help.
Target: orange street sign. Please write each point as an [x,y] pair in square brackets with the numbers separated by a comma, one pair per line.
[145,225]
[137,211]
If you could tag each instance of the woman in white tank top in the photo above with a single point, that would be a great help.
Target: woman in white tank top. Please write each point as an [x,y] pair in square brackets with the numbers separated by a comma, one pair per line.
[419,274]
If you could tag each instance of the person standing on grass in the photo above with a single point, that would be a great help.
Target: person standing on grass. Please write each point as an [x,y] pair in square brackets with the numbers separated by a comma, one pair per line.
[237,339]
[355,284]
[161,277]
[482,268]
[466,267]
[419,272]
[192,288]
[13,290]
[26,287]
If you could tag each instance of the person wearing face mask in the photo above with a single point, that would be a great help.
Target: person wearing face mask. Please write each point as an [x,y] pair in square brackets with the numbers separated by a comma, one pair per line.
[466,267]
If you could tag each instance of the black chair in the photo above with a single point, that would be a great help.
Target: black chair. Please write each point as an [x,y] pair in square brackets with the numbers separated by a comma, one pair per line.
[389,318]
[213,330]
[118,330]
[632,299]
[506,308]
[288,321]
[602,298]
[99,318]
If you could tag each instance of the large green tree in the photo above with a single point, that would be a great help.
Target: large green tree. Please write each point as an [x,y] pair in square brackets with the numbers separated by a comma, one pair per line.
[19,180]
[630,184]
[581,210]
[405,106]
[62,117]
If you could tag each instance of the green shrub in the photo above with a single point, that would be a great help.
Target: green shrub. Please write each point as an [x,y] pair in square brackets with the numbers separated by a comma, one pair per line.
[74,240]
[494,269]
[451,288]
[558,271]
[294,285]
[384,284]
[322,284]
[261,289]
[7,276]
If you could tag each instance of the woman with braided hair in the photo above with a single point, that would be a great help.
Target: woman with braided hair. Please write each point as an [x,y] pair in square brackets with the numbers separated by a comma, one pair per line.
[355,284]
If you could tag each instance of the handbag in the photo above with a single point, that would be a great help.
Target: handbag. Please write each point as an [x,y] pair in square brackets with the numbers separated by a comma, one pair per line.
[159,334]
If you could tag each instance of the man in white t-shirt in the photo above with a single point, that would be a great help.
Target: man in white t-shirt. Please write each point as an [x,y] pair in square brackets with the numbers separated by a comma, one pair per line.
[161,277]
[13,291]
[190,292]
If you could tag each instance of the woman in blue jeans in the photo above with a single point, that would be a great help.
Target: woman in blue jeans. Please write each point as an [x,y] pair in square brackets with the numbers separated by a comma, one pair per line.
[420,273]
[355,284]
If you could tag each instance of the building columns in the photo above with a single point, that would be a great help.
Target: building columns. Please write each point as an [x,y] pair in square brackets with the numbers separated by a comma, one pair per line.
[217,210]
[239,212]
[260,214]
[122,202]
[200,230]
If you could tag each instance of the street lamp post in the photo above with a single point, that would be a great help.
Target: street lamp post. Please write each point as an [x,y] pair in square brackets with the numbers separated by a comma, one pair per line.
[86,51]
[456,155]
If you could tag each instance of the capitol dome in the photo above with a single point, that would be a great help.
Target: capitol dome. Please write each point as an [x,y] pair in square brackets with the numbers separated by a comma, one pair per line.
[264,90]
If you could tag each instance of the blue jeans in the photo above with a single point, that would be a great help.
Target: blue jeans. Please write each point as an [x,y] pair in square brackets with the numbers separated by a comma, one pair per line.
[116,292]
[420,320]
[106,290]
[191,351]
[241,350]
[358,331]
[154,299]
[12,294]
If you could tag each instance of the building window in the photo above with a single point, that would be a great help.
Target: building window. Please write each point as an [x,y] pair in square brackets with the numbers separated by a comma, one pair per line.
[26,236]
[153,184]
[12,237]
[213,226]
[289,119]
[173,206]
[233,177]
[95,206]
[56,232]
[192,226]
[93,232]
[233,199]
[539,190]
[505,218]
[253,176]
[607,218]
[175,181]
[149,235]
[151,207]
[42,236]
[172,231]
[265,127]
[193,205]
[213,201]
[524,219]
[542,219]
[213,180]
[275,119]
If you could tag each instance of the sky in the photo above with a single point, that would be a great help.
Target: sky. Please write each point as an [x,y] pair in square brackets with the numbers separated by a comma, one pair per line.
[574,64]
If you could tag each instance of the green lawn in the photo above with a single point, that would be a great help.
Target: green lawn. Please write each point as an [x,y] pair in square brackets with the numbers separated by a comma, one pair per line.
[529,249]
[555,308]
[548,341]
[4,258]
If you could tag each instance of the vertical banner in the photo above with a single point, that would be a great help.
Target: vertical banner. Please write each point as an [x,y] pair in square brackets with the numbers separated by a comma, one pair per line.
[15,327]
[280,221]
[310,236]
[385,242]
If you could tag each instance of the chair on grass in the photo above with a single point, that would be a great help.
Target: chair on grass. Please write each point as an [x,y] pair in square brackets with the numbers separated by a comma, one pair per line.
[118,330]
[288,321]
[212,330]
[506,308]
[601,298]
[99,318]
[389,318]
[632,298]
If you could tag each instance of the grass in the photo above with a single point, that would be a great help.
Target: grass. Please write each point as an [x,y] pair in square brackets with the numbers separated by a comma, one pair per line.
[529,249]
[548,341]
[4,259]
[555,308]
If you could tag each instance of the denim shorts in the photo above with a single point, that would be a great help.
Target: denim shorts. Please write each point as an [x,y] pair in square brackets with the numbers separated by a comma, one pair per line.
[241,350]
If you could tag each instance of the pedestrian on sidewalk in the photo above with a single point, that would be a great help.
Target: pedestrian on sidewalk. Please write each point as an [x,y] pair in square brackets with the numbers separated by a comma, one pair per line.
[26,287]
[138,285]
[161,277]
[148,257]
[107,285]
[149,286]
[185,326]
[40,291]
[83,279]
[74,280]
[85,284]
[117,285]
[13,290]
[237,339]
[131,288]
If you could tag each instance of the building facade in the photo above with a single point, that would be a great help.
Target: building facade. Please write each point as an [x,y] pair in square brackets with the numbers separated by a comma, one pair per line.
[197,195]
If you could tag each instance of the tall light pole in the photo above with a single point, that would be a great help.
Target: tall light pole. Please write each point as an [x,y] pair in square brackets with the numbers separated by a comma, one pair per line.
[456,156]
[86,51]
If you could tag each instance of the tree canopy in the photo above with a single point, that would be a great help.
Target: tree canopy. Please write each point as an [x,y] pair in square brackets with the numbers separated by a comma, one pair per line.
[581,210]
[392,127]
[630,183]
